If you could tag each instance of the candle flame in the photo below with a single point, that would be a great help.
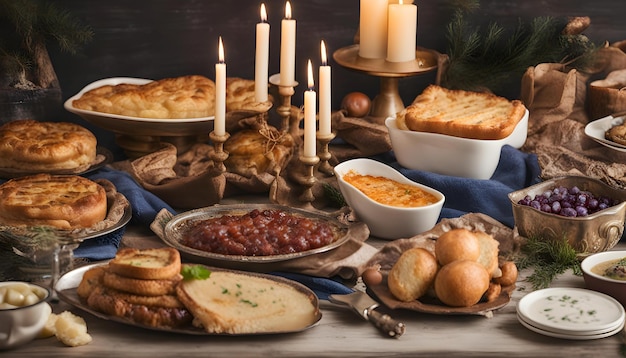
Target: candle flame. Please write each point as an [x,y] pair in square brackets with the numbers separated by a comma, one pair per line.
[221,51]
[323,52]
[400,2]
[263,13]
[310,76]
[287,10]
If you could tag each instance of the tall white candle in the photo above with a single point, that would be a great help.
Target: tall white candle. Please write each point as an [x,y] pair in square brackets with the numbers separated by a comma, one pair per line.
[287,48]
[219,124]
[402,32]
[261,63]
[373,28]
[325,94]
[310,111]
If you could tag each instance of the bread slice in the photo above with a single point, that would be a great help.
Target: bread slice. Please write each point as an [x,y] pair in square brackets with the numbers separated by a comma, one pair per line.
[140,286]
[236,303]
[459,113]
[149,264]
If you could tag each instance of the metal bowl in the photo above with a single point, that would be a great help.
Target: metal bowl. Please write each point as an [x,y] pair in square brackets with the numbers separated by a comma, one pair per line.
[597,232]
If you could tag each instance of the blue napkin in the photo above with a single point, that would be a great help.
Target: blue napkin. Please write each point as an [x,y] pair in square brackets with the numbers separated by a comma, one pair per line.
[322,287]
[516,170]
[144,206]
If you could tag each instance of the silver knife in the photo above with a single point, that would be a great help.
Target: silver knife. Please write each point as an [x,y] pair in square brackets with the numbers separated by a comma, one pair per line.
[365,306]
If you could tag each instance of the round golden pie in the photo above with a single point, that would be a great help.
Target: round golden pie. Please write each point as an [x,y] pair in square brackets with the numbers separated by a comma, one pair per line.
[59,201]
[46,146]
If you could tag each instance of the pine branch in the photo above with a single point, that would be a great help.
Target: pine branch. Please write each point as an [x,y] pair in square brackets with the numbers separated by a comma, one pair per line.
[482,59]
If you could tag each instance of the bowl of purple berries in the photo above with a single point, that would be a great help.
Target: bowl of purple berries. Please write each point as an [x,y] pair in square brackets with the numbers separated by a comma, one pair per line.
[586,211]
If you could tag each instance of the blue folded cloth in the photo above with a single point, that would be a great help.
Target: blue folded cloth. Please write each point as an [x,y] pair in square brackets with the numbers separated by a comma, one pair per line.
[516,170]
[322,287]
[144,206]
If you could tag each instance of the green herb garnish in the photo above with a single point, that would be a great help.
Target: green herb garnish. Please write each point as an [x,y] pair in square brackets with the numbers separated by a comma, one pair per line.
[549,259]
[195,272]
[334,196]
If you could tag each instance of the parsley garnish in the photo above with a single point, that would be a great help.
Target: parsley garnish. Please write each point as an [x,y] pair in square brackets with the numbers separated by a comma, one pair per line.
[195,272]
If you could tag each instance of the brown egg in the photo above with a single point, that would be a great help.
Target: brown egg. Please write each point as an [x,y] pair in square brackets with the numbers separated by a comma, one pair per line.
[356,104]
[372,276]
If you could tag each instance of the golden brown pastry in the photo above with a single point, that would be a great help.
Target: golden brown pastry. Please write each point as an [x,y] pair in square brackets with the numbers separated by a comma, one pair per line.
[252,151]
[239,93]
[46,146]
[616,134]
[60,201]
[149,264]
[459,113]
[170,98]
[412,275]
[457,244]
[461,283]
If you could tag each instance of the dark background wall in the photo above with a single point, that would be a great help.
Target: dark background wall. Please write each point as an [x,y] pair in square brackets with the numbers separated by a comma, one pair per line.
[164,38]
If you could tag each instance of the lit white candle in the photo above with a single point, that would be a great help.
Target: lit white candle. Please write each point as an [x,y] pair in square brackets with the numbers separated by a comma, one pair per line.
[402,32]
[325,94]
[219,124]
[310,111]
[373,28]
[287,48]
[262,57]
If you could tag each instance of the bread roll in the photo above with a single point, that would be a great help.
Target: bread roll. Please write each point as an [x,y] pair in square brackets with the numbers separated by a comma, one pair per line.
[412,275]
[46,146]
[457,244]
[461,283]
[488,253]
[59,201]
[459,113]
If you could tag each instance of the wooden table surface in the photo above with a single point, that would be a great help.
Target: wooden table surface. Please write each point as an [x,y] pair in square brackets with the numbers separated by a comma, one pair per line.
[340,333]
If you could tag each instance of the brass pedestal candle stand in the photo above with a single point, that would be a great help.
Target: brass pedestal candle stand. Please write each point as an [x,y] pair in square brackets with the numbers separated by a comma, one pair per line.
[388,102]
[308,180]
[219,155]
[289,123]
[324,154]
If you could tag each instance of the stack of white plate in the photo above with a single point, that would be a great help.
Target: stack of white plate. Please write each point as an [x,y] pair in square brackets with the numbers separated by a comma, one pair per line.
[571,313]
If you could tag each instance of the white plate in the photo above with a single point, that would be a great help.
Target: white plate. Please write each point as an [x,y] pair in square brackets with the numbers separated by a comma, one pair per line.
[596,129]
[136,125]
[570,336]
[570,311]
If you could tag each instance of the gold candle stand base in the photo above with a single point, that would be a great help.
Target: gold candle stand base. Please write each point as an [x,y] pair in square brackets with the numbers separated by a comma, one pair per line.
[219,155]
[324,154]
[308,180]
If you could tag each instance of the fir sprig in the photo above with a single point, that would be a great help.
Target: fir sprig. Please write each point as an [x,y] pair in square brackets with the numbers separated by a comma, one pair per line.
[549,258]
[334,196]
[485,59]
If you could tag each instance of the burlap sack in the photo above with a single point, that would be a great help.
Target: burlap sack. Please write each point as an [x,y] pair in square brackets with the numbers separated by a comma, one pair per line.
[556,97]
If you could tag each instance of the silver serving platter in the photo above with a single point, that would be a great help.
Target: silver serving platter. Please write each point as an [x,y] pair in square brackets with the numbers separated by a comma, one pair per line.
[176,229]
[66,291]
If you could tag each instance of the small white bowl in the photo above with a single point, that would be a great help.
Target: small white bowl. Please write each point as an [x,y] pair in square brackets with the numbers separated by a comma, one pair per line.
[385,221]
[609,286]
[450,155]
[21,325]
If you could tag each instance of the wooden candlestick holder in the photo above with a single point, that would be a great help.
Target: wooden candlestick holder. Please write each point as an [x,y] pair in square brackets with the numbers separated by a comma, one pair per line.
[219,155]
[308,180]
[324,154]
[288,123]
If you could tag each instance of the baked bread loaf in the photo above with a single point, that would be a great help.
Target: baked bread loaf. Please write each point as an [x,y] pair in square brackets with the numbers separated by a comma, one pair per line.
[412,275]
[239,93]
[170,98]
[236,303]
[46,146]
[256,151]
[60,201]
[150,264]
[461,283]
[459,113]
